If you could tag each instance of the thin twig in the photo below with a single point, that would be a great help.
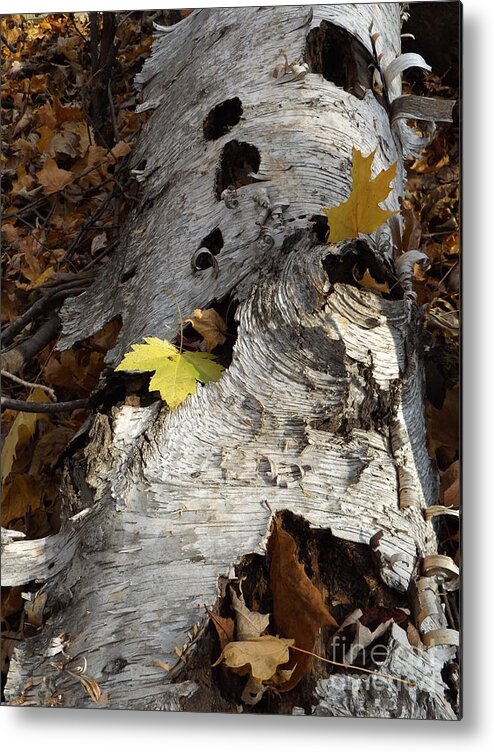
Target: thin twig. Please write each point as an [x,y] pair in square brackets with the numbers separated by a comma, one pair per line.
[91,220]
[112,113]
[72,20]
[356,668]
[6,42]
[26,208]
[124,19]
[29,384]
[15,359]
[39,307]
[45,407]
[104,252]
[448,272]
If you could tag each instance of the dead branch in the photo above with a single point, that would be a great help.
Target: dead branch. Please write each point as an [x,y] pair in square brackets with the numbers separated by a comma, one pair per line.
[14,360]
[44,407]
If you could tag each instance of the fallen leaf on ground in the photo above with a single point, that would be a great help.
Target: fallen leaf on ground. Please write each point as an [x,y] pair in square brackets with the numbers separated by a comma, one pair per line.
[52,178]
[299,610]
[361,211]
[450,486]
[259,656]
[444,428]
[175,374]
[412,231]
[209,324]
[43,277]
[120,150]
[21,430]
[20,495]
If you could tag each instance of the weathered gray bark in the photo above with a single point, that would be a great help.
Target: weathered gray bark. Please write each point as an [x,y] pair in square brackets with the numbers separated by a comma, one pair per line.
[320,411]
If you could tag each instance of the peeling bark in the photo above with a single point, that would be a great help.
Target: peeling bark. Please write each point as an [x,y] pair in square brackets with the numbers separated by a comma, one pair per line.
[320,412]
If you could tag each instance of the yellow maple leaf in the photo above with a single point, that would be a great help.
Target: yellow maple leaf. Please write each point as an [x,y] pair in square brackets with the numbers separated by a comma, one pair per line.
[175,373]
[361,211]
[21,431]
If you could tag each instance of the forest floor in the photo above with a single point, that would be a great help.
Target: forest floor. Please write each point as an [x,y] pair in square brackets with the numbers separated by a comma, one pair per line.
[66,192]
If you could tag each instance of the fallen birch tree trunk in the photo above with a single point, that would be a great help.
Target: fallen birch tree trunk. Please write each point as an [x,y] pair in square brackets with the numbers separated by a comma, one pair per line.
[321,411]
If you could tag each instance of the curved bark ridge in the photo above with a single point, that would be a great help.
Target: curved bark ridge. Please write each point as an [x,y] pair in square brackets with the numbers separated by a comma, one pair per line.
[300,419]
[286,145]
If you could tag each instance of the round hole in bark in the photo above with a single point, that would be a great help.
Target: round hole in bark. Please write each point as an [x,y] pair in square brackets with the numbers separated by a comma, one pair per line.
[209,247]
[238,161]
[128,274]
[319,226]
[213,241]
[222,118]
[340,58]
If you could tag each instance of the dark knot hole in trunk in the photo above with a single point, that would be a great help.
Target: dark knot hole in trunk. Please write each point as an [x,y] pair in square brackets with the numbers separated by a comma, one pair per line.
[222,118]
[239,161]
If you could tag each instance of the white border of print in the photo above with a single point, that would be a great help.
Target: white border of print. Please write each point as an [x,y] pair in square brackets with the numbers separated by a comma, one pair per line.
[79,730]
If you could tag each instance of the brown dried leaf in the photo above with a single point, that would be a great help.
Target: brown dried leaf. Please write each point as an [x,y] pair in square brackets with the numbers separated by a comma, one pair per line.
[52,178]
[249,623]
[412,230]
[209,324]
[24,181]
[259,656]
[12,601]
[120,150]
[63,142]
[35,608]
[225,628]
[19,496]
[368,281]
[299,609]
[444,428]
[450,486]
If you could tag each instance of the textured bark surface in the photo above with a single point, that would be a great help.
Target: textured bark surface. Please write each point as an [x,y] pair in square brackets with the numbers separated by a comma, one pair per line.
[320,411]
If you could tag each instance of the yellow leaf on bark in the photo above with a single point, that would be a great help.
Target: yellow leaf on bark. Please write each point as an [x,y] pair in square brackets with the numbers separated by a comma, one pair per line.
[175,373]
[361,211]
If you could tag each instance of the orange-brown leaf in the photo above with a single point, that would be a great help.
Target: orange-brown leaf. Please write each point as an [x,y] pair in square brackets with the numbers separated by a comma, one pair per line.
[53,178]
[367,280]
[20,495]
[225,628]
[444,428]
[450,486]
[209,324]
[299,610]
